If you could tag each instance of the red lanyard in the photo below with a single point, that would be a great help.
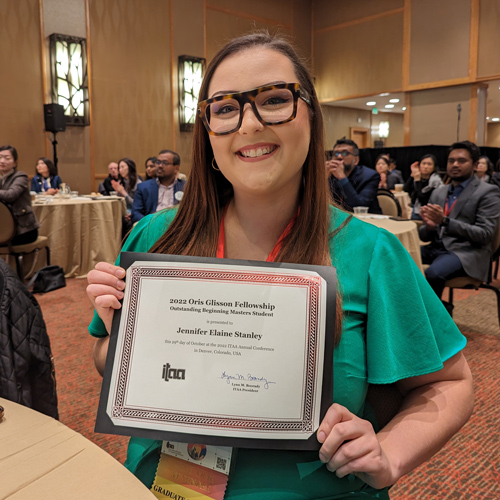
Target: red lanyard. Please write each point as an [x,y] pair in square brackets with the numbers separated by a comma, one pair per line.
[221,243]
[448,209]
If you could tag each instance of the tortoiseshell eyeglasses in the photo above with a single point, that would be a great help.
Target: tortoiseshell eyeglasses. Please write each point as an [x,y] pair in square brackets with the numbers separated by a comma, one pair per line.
[272,105]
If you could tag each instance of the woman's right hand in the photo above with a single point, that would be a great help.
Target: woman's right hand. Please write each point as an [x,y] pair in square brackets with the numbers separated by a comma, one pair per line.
[415,170]
[105,290]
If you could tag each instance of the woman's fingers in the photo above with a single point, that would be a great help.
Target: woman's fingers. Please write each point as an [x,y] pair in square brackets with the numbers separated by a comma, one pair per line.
[104,296]
[107,274]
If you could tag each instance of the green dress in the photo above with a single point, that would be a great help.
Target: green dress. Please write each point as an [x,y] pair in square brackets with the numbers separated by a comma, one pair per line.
[394,327]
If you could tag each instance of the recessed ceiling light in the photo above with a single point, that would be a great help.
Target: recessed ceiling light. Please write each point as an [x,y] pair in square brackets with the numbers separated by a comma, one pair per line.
[487,117]
[495,119]
[371,103]
[393,100]
[389,106]
[384,94]
[404,108]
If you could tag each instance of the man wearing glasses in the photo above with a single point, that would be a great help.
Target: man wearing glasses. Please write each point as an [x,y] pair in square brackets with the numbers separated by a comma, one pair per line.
[163,192]
[352,185]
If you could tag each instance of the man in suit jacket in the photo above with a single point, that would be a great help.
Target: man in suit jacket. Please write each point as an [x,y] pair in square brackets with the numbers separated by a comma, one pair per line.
[352,185]
[163,192]
[460,221]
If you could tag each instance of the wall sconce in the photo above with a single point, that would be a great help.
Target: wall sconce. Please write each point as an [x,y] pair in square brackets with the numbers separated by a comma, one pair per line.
[68,63]
[191,71]
[383,130]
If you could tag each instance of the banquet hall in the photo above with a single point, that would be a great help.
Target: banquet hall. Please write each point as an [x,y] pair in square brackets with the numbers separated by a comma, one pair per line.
[402,77]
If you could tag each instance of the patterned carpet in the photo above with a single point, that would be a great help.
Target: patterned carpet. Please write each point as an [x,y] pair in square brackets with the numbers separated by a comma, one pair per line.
[467,468]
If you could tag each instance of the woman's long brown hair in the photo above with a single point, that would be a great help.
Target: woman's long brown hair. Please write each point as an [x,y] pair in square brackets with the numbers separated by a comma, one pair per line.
[195,229]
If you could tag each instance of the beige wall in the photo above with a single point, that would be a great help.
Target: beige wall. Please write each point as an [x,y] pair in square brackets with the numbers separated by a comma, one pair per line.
[434,115]
[21,87]
[339,120]
[493,135]
[488,63]
[358,59]
[131,93]
[439,43]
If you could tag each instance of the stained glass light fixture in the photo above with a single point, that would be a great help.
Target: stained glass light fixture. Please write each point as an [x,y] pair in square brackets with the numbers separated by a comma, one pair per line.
[68,61]
[191,70]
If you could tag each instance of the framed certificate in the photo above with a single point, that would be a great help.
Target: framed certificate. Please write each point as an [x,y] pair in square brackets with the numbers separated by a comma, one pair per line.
[220,352]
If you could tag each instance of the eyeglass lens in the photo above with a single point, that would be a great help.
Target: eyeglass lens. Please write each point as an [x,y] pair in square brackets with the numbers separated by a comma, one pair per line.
[163,163]
[337,154]
[274,105]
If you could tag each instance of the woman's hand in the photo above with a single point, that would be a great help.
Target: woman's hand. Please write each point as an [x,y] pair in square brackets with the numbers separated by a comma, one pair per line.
[51,191]
[415,170]
[118,188]
[105,290]
[383,181]
[350,446]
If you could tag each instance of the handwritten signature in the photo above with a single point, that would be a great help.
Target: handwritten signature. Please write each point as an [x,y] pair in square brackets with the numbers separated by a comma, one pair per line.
[248,378]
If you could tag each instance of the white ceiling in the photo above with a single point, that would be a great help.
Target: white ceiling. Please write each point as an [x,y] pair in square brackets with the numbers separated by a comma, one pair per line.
[492,105]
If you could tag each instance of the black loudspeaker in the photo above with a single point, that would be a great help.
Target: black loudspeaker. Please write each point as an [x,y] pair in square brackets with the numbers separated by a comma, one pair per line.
[54,117]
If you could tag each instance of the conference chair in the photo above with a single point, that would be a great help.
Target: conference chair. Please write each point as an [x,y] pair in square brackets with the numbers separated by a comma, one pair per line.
[465,282]
[7,233]
[388,203]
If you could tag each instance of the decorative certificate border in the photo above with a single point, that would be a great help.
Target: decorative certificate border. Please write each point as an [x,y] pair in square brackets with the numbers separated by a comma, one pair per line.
[196,422]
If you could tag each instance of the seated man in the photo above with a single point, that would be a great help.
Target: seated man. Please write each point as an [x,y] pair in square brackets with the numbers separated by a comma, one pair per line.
[352,185]
[459,221]
[163,192]
[105,187]
[395,171]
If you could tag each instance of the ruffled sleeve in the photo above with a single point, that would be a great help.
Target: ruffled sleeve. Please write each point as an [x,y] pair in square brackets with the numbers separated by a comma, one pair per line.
[409,332]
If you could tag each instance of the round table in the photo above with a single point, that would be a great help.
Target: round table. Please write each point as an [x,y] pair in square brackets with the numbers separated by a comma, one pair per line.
[81,231]
[41,458]
[405,231]
[405,201]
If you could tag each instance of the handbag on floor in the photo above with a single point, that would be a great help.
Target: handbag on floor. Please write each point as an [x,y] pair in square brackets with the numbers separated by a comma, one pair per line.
[48,278]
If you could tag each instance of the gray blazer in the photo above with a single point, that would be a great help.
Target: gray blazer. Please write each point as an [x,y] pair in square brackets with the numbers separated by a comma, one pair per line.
[473,221]
[15,192]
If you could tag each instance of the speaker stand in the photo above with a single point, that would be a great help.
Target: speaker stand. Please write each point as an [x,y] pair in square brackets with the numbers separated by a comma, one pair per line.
[54,145]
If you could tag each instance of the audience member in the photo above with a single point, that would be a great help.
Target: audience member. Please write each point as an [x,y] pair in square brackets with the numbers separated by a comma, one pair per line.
[387,178]
[163,192]
[105,188]
[484,169]
[495,176]
[150,168]
[422,181]
[459,221]
[46,179]
[352,185]
[26,366]
[15,193]
[395,171]
[127,185]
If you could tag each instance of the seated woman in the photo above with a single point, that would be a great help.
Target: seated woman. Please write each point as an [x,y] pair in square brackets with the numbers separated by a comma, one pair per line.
[422,181]
[126,186]
[256,188]
[150,165]
[484,169]
[387,178]
[46,179]
[15,193]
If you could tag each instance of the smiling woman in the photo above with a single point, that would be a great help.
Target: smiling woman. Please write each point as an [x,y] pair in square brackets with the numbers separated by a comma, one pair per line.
[257,191]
